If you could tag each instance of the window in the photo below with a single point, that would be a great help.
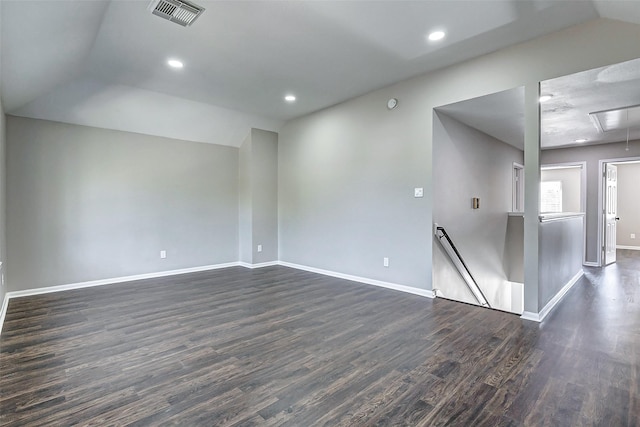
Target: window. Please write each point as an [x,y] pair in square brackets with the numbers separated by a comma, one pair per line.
[551,196]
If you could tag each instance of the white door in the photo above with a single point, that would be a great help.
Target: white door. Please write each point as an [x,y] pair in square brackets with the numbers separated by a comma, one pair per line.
[610,213]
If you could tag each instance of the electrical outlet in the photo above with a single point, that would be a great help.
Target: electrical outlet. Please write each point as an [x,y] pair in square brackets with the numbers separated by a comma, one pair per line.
[633,235]
[163,254]
[259,248]
[385,262]
[418,192]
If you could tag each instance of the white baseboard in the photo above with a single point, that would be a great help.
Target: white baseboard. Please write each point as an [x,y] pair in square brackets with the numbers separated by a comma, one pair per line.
[539,317]
[259,265]
[631,248]
[114,280]
[591,264]
[101,282]
[3,310]
[388,285]
[530,315]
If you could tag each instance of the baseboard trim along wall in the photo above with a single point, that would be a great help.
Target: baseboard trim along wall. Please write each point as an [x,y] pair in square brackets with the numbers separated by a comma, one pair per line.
[539,317]
[590,264]
[388,285]
[259,265]
[102,282]
[631,248]
[3,312]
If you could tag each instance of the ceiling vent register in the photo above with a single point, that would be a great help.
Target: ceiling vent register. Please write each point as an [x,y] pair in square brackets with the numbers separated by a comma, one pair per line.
[178,11]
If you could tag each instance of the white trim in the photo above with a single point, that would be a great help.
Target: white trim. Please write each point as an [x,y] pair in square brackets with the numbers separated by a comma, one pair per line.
[259,265]
[101,282]
[631,248]
[517,188]
[591,264]
[539,317]
[529,315]
[548,217]
[402,288]
[3,310]
[601,184]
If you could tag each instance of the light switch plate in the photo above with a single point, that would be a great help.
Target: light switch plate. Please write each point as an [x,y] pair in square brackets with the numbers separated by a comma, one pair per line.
[418,192]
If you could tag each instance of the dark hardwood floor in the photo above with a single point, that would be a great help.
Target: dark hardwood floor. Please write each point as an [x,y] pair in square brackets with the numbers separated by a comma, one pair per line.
[281,347]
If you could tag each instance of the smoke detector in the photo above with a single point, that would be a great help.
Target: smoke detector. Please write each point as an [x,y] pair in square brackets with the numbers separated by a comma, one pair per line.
[179,11]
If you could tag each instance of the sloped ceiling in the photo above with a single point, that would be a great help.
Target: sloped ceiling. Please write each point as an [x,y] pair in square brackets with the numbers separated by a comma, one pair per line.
[500,115]
[103,64]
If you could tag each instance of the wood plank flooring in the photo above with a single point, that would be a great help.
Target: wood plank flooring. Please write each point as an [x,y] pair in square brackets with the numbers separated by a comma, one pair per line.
[281,347]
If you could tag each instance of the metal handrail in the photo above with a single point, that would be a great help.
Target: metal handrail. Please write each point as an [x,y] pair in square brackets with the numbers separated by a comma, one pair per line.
[475,289]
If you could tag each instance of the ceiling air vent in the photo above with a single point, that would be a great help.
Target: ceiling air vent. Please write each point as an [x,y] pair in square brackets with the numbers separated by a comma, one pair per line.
[178,11]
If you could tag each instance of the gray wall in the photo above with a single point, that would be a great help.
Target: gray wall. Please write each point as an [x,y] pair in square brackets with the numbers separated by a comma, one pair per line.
[3,204]
[591,154]
[514,249]
[3,184]
[472,164]
[259,197]
[628,204]
[245,246]
[346,187]
[265,195]
[87,204]
[347,173]
[571,182]
[560,255]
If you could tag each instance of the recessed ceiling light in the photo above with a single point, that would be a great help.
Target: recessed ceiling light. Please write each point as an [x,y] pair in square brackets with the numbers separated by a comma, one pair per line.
[581,140]
[174,63]
[436,35]
[545,98]
[289,98]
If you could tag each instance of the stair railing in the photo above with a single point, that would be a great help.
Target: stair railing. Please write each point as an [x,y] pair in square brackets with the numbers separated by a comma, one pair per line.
[461,266]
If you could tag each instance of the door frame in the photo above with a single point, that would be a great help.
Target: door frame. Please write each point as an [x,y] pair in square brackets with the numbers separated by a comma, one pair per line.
[583,196]
[602,175]
[610,214]
[517,190]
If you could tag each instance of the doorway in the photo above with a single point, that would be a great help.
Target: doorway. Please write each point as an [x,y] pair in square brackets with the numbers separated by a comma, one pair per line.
[619,221]
[478,184]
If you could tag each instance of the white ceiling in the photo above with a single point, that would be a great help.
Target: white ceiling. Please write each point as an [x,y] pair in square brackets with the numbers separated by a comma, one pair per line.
[500,115]
[102,63]
[565,117]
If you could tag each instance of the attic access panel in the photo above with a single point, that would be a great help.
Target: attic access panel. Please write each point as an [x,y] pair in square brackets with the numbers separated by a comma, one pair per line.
[619,118]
